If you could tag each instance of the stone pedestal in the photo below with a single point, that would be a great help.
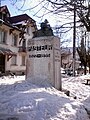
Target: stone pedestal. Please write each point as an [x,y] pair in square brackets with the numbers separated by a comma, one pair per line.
[44,58]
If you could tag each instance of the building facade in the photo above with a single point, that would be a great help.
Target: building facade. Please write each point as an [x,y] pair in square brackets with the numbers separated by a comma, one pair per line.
[14,34]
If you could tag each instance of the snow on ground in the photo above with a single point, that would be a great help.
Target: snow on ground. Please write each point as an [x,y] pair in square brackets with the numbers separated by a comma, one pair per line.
[36,99]
[78,89]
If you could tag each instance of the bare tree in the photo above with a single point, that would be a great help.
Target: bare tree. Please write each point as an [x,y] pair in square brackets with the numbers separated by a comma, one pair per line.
[63,10]
[82,54]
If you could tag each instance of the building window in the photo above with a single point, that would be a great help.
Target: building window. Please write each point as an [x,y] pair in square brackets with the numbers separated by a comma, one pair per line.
[3,36]
[14,60]
[23,60]
[14,39]
[27,29]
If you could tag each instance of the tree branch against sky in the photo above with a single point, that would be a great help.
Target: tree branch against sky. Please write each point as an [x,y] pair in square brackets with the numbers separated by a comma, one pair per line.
[58,12]
[62,10]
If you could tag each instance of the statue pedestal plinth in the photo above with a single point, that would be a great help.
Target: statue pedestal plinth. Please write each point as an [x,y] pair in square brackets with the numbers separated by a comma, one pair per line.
[44,58]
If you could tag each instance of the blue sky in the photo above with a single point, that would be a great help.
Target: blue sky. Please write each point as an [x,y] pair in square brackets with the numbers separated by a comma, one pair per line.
[11,8]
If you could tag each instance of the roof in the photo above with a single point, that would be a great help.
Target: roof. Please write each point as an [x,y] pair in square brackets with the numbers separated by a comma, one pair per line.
[5,51]
[4,9]
[15,21]
[9,25]
[65,51]
[19,18]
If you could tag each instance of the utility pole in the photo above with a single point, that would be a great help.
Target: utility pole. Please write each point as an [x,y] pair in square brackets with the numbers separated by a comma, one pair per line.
[74,39]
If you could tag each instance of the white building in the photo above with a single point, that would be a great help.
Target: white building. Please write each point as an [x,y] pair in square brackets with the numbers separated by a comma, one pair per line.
[14,34]
[67,58]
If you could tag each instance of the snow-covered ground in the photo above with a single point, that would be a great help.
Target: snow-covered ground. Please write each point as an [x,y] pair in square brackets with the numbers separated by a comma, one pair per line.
[36,99]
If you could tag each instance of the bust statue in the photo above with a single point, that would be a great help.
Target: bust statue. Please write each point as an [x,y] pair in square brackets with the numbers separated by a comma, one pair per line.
[45,30]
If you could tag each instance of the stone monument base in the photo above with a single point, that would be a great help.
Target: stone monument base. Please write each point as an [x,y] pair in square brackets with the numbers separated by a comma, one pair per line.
[44,59]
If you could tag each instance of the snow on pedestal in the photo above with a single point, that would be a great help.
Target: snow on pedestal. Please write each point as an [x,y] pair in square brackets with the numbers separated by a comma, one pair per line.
[43,59]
